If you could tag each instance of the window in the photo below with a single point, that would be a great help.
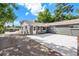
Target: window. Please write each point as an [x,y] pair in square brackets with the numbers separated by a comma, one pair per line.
[34,28]
[43,28]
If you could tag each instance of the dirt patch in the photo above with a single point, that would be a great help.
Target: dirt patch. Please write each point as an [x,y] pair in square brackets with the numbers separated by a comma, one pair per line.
[23,46]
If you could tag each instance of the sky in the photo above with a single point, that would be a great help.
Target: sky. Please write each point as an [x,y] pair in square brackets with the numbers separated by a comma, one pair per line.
[29,11]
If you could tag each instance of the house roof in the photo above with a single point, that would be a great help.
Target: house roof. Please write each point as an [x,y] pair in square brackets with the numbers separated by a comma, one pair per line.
[66,22]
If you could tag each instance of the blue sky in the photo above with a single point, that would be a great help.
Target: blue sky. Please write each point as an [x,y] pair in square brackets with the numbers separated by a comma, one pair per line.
[29,11]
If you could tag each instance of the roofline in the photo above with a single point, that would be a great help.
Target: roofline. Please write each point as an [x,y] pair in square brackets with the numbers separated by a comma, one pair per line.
[65,22]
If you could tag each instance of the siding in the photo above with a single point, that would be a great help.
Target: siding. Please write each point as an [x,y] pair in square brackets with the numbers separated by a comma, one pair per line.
[65,31]
[75,31]
[61,30]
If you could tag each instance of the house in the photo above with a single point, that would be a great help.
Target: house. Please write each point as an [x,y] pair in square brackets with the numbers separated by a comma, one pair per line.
[67,27]
[33,27]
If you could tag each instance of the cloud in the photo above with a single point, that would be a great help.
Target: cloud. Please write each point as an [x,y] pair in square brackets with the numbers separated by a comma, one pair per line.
[26,13]
[50,3]
[21,4]
[34,8]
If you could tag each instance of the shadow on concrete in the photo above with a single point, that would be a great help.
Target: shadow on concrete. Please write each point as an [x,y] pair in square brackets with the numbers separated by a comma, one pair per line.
[22,46]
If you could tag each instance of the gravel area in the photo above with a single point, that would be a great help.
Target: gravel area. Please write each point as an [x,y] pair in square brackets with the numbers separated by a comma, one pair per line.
[18,45]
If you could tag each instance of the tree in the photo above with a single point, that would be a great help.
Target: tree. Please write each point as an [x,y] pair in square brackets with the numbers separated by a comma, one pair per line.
[6,14]
[77,11]
[44,16]
[61,11]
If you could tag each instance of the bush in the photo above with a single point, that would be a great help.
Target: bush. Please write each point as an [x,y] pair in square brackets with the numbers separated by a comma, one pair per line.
[2,29]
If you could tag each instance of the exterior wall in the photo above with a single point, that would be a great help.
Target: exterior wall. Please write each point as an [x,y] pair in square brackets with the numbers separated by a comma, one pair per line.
[65,31]
[76,26]
[75,31]
[23,30]
[61,30]
[28,29]
[34,30]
